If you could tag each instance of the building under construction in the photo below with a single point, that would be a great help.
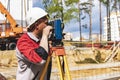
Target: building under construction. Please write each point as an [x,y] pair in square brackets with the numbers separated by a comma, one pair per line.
[17,9]
[114,27]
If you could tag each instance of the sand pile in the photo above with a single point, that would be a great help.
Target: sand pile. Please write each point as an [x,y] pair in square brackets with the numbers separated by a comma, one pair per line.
[8,58]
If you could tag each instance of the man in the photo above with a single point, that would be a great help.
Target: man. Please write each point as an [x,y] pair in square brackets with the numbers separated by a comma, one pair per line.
[32,48]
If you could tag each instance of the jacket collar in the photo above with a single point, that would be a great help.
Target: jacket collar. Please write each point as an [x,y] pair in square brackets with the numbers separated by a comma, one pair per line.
[32,36]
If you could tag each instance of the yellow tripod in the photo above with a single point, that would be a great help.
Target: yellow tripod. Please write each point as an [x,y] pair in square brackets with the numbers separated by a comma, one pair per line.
[59,52]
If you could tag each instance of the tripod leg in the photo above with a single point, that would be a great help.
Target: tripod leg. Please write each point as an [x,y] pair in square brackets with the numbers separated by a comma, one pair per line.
[63,65]
[45,69]
[60,68]
[66,67]
[49,70]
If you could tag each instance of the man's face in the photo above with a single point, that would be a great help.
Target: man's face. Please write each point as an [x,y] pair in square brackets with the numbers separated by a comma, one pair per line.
[41,26]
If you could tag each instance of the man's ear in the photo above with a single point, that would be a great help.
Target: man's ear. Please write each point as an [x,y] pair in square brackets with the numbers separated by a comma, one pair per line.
[36,24]
[36,28]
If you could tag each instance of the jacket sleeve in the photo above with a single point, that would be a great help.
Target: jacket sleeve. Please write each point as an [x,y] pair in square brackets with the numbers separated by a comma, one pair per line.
[41,52]
[28,50]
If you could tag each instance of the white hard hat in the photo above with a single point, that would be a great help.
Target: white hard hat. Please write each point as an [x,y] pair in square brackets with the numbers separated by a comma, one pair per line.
[34,14]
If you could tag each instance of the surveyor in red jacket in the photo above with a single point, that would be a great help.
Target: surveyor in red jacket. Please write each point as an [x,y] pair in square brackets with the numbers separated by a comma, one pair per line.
[32,48]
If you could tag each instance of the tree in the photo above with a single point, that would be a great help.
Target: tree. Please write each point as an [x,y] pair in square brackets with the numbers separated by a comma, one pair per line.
[56,9]
[106,3]
[90,14]
[68,13]
[67,10]
[88,5]
[82,7]
[100,21]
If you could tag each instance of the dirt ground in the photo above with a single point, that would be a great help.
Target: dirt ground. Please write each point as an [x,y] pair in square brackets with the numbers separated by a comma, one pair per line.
[77,59]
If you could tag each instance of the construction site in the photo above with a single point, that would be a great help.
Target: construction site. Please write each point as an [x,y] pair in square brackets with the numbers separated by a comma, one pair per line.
[84,63]
[96,58]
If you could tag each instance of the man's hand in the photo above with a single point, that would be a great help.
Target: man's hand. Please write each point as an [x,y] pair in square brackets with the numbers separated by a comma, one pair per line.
[46,30]
[44,39]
